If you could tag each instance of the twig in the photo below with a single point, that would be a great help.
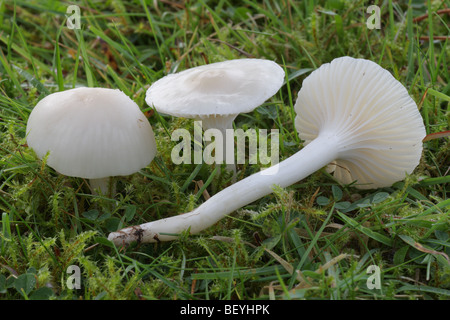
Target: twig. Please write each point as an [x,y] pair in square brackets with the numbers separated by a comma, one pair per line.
[427,38]
[423,17]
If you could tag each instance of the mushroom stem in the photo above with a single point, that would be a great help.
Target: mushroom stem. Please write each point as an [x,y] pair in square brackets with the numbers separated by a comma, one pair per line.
[317,154]
[223,123]
[103,185]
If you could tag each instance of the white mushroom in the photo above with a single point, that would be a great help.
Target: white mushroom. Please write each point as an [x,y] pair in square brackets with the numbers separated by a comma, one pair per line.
[92,133]
[352,114]
[217,93]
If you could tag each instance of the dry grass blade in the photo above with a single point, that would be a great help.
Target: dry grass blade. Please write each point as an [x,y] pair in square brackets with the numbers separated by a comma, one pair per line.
[286,265]
[321,269]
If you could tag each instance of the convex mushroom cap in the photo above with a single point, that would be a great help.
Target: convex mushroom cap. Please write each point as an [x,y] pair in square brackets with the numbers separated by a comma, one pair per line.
[92,133]
[217,89]
[216,93]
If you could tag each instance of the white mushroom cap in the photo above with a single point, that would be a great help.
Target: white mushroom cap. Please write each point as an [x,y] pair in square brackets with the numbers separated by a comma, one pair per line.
[91,133]
[217,89]
[376,123]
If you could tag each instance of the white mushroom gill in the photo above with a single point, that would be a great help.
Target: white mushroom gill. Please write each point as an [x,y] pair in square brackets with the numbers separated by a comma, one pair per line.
[352,114]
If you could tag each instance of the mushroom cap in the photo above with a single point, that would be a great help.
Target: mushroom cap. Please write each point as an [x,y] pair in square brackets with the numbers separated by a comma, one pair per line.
[91,133]
[217,89]
[370,113]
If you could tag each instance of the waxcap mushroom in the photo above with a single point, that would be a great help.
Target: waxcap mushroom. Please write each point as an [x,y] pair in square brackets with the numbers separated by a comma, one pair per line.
[369,113]
[216,93]
[92,133]
[353,114]
[217,89]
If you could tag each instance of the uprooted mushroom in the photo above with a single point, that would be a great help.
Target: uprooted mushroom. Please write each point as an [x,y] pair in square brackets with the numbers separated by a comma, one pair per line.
[353,116]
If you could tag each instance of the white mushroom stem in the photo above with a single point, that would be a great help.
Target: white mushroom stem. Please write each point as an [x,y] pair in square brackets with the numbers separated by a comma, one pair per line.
[223,123]
[311,158]
[104,185]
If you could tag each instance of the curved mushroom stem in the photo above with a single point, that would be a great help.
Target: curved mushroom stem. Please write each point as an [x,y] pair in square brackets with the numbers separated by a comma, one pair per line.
[311,158]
